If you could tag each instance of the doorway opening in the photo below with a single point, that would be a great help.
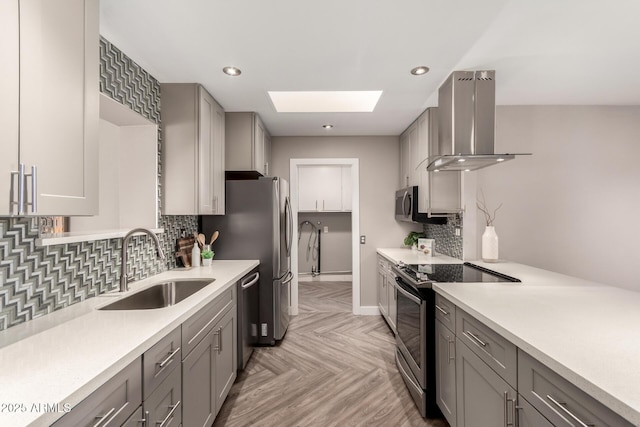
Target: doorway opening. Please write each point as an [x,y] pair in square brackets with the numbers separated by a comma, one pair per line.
[327,228]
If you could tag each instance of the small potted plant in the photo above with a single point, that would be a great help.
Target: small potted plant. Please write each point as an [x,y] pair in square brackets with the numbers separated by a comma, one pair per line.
[207,256]
[412,239]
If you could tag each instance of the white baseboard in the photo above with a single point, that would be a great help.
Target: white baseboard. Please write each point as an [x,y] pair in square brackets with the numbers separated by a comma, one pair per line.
[325,278]
[369,310]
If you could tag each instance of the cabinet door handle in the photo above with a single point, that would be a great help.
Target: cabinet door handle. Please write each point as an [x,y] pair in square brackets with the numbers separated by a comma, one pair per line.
[442,310]
[21,189]
[218,334]
[450,357]
[170,414]
[323,208]
[506,410]
[562,407]
[476,338]
[168,359]
[34,189]
[316,205]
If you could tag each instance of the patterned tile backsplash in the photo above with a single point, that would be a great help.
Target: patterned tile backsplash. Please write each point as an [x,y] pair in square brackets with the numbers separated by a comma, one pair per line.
[35,280]
[447,242]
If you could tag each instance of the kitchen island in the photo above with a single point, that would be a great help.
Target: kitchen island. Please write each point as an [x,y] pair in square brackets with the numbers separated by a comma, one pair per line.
[52,363]
[586,332]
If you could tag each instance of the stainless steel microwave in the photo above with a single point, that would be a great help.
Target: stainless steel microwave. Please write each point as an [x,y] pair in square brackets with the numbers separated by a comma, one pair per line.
[407,205]
[407,208]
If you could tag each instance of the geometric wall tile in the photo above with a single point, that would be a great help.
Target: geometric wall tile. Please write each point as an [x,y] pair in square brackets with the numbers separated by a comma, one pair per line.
[35,281]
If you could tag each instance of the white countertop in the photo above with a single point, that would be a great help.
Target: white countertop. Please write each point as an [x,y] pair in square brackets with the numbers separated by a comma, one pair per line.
[588,333]
[65,356]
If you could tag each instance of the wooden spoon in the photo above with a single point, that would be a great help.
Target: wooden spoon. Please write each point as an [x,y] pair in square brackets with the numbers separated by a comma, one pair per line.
[201,239]
[214,237]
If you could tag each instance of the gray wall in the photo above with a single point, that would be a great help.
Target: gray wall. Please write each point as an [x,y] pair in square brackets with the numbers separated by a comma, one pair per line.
[35,281]
[379,165]
[335,247]
[573,206]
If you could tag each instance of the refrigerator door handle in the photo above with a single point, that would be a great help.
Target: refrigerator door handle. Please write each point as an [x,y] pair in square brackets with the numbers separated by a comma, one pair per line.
[289,277]
[289,225]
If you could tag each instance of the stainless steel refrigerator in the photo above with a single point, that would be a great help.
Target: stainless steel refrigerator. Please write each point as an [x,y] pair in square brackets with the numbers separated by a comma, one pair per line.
[258,225]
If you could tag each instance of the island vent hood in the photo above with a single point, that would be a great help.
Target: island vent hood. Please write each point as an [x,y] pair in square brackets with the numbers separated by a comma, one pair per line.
[467,121]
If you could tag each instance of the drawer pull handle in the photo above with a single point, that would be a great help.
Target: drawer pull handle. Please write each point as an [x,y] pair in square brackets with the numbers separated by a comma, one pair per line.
[169,358]
[169,415]
[442,310]
[104,417]
[562,407]
[476,338]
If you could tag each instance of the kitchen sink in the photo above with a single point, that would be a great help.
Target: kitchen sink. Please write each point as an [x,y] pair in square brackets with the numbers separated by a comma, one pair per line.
[159,295]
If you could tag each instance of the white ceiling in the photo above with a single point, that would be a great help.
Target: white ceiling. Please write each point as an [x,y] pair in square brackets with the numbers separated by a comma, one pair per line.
[544,52]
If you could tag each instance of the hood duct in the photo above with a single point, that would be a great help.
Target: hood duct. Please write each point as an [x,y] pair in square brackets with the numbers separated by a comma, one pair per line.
[467,118]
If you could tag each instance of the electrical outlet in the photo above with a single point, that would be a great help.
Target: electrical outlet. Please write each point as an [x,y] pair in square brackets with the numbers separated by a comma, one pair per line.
[363,240]
[326,229]
[264,330]
[458,231]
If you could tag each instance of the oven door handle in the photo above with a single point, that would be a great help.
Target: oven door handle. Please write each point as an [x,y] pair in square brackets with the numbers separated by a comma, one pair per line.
[401,289]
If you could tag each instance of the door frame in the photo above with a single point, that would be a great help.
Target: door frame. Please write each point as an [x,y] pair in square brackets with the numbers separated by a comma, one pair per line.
[355,225]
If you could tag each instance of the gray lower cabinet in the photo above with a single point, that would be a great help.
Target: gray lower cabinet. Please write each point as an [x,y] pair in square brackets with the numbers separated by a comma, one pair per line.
[387,293]
[559,400]
[225,358]
[484,399]
[199,395]
[446,372]
[209,368]
[112,403]
[164,406]
[528,416]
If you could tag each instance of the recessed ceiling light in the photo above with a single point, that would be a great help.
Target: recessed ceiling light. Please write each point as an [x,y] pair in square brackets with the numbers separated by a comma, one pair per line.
[361,101]
[467,170]
[418,71]
[462,160]
[327,126]
[232,71]
[500,159]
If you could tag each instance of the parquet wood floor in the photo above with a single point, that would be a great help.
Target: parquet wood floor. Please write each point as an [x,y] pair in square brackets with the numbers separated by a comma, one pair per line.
[331,369]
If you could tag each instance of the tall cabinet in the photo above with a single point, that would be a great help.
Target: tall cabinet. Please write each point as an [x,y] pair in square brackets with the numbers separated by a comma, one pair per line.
[439,192]
[194,151]
[49,108]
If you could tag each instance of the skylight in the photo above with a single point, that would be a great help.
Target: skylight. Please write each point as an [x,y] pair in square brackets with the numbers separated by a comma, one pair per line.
[363,101]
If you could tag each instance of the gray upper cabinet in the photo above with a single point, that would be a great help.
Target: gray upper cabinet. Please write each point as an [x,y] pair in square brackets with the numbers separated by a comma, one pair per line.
[194,151]
[446,372]
[49,111]
[248,144]
[112,403]
[484,399]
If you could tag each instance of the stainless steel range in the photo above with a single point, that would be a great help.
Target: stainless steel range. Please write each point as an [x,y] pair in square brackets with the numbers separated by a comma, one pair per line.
[415,338]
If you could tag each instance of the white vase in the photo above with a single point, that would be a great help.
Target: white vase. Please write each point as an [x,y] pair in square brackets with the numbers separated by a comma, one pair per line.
[490,244]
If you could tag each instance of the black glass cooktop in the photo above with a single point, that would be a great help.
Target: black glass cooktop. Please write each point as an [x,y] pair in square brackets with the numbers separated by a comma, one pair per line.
[425,274]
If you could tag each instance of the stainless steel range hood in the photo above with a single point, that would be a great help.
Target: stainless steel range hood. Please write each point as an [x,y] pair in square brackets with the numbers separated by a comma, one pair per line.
[467,118]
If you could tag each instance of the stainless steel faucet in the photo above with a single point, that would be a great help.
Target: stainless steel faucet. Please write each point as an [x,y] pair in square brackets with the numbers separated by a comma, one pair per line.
[124,278]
